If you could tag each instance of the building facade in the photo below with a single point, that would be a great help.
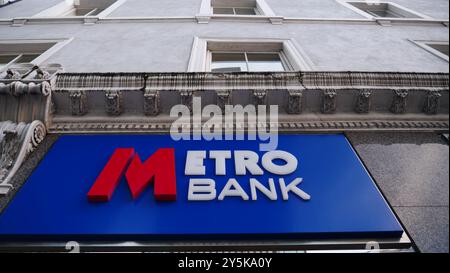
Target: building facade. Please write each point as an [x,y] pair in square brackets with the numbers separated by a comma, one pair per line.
[375,71]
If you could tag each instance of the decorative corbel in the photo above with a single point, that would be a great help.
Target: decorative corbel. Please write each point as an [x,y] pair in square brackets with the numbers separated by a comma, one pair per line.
[114,102]
[186,98]
[295,102]
[17,141]
[399,100]
[363,101]
[328,101]
[78,103]
[151,103]
[260,97]
[432,102]
[223,98]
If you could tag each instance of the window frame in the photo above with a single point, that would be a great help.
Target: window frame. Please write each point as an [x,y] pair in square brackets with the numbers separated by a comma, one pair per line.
[425,44]
[42,54]
[283,59]
[257,12]
[418,15]
[292,54]
[63,8]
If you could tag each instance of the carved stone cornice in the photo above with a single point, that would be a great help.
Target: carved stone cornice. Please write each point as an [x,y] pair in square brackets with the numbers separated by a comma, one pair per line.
[283,126]
[17,141]
[335,96]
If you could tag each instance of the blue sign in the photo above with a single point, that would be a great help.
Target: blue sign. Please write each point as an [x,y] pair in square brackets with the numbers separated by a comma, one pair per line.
[336,197]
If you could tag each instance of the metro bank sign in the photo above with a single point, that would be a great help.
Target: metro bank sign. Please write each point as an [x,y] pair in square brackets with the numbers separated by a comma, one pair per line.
[312,186]
[159,168]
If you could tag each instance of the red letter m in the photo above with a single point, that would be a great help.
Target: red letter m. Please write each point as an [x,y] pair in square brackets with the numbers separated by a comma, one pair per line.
[158,168]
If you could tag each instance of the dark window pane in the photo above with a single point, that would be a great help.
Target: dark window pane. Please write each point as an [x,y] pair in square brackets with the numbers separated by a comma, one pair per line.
[83,12]
[4,59]
[223,11]
[27,58]
[385,13]
[441,48]
[245,11]
[228,62]
[264,62]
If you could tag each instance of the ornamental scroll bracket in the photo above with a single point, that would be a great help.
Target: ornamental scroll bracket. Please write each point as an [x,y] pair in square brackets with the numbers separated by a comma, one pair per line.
[17,141]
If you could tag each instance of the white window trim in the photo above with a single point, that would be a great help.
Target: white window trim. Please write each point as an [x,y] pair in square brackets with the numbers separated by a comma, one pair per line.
[200,58]
[425,45]
[67,5]
[59,44]
[262,8]
[347,4]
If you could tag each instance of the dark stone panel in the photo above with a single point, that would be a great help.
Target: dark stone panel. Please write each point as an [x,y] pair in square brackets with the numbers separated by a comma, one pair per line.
[428,226]
[412,171]
[410,168]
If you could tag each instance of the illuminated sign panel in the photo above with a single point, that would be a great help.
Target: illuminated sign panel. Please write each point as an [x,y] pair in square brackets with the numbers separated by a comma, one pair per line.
[312,186]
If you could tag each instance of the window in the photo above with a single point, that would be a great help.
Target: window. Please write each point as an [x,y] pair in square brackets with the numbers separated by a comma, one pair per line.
[384,10]
[14,52]
[227,7]
[247,55]
[442,48]
[234,11]
[246,61]
[438,48]
[11,58]
[79,8]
